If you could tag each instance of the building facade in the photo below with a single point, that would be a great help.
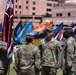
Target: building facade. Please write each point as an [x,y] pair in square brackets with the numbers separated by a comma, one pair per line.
[65,13]
[32,10]
[2,9]
[33,7]
[28,10]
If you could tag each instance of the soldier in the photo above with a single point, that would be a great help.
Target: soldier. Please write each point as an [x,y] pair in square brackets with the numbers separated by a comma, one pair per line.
[50,53]
[27,58]
[70,52]
[3,59]
[62,42]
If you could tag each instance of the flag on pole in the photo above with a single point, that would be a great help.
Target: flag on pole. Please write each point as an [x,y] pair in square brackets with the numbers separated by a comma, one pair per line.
[71,24]
[43,27]
[40,32]
[7,24]
[58,32]
[59,36]
[18,29]
[74,29]
[27,29]
[17,32]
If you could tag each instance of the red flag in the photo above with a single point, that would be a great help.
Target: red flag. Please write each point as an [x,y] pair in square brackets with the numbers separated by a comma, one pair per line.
[8,23]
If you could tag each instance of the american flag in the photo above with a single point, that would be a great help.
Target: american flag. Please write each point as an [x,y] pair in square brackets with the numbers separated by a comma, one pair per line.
[74,30]
[8,23]
[58,32]
[59,36]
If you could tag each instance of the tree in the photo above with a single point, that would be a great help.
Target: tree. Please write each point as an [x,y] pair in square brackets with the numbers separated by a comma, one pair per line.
[41,20]
[47,15]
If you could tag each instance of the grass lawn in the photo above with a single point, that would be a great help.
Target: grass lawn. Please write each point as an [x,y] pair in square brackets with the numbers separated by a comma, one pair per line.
[59,72]
[12,71]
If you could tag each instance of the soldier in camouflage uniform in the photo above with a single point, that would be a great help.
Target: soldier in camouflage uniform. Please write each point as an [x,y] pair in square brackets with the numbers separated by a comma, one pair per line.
[51,53]
[63,44]
[27,58]
[3,60]
[70,52]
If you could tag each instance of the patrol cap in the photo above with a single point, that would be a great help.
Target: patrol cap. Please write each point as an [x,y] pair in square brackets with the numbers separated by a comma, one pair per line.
[50,29]
[30,36]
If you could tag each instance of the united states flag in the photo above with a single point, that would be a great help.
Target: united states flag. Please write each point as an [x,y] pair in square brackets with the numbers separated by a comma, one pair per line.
[59,36]
[74,30]
[8,23]
[58,32]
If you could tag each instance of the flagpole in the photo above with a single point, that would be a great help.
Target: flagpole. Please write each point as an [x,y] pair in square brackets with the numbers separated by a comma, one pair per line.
[10,60]
[7,29]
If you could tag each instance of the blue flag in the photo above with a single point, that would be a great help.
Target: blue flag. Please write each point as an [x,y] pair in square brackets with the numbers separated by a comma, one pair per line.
[27,29]
[18,29]
[72,24]
[58,29]
[58,32]
[74,29]
[0,27]
[17,32]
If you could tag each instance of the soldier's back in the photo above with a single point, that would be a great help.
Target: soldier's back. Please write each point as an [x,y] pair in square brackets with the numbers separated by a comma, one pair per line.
[26,59]
[71,53]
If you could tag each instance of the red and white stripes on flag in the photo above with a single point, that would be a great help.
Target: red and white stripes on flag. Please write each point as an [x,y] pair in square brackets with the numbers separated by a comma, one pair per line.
[8,23]
[59,36]
[10,50]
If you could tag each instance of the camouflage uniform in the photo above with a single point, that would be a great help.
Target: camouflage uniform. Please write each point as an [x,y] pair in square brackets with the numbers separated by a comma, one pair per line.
[63,44]
[27,60]
[51,55]
[70,56]
[3,60]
